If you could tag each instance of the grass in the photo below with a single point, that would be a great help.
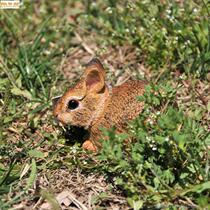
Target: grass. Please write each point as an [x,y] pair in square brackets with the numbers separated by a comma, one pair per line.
[43,47]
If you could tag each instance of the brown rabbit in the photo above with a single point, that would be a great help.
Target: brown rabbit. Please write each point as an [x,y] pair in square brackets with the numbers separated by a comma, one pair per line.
[92,104]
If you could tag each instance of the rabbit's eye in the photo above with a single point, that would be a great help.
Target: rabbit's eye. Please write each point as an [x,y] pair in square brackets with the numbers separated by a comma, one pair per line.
[73,104]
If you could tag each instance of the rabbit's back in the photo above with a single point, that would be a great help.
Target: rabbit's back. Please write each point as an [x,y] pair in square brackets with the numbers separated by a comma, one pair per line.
[123,105]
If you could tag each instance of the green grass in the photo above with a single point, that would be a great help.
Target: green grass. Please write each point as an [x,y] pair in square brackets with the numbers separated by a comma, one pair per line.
[166,165]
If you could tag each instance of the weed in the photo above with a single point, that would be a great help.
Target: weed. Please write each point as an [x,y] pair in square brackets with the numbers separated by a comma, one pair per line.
[167,163]
[166,33]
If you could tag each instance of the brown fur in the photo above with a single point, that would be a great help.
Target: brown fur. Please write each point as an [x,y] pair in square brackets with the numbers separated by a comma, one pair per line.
[99,105]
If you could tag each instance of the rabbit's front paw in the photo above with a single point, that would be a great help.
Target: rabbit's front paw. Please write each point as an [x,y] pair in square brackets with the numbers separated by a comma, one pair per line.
[88,145]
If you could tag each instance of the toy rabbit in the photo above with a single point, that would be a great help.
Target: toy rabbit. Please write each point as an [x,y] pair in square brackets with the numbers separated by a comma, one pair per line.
[92,104]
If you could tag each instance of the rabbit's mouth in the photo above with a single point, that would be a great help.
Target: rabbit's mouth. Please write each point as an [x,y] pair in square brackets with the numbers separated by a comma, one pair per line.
[74,134]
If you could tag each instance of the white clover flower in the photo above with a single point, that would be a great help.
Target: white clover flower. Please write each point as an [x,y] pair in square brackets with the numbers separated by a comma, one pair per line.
[158,113]
[183,76]
[148,138]
[164,31]
[28,70]
[167,139]
[172,18]
[127,30]
[195,10]
[168,16]
[147,110]
[141,73]
[150,122]
[153,19]
[174,42]
[47,52]
[130,6]
[109,10]
[183,46]
[188,41]
[74,150]
[141,28]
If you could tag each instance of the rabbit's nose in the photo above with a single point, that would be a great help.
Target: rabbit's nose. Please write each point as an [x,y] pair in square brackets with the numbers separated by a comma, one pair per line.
[61,118]
[64,118]
[58,117]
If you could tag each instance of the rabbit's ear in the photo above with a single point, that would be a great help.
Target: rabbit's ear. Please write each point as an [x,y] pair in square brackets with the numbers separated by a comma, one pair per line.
[94,76]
